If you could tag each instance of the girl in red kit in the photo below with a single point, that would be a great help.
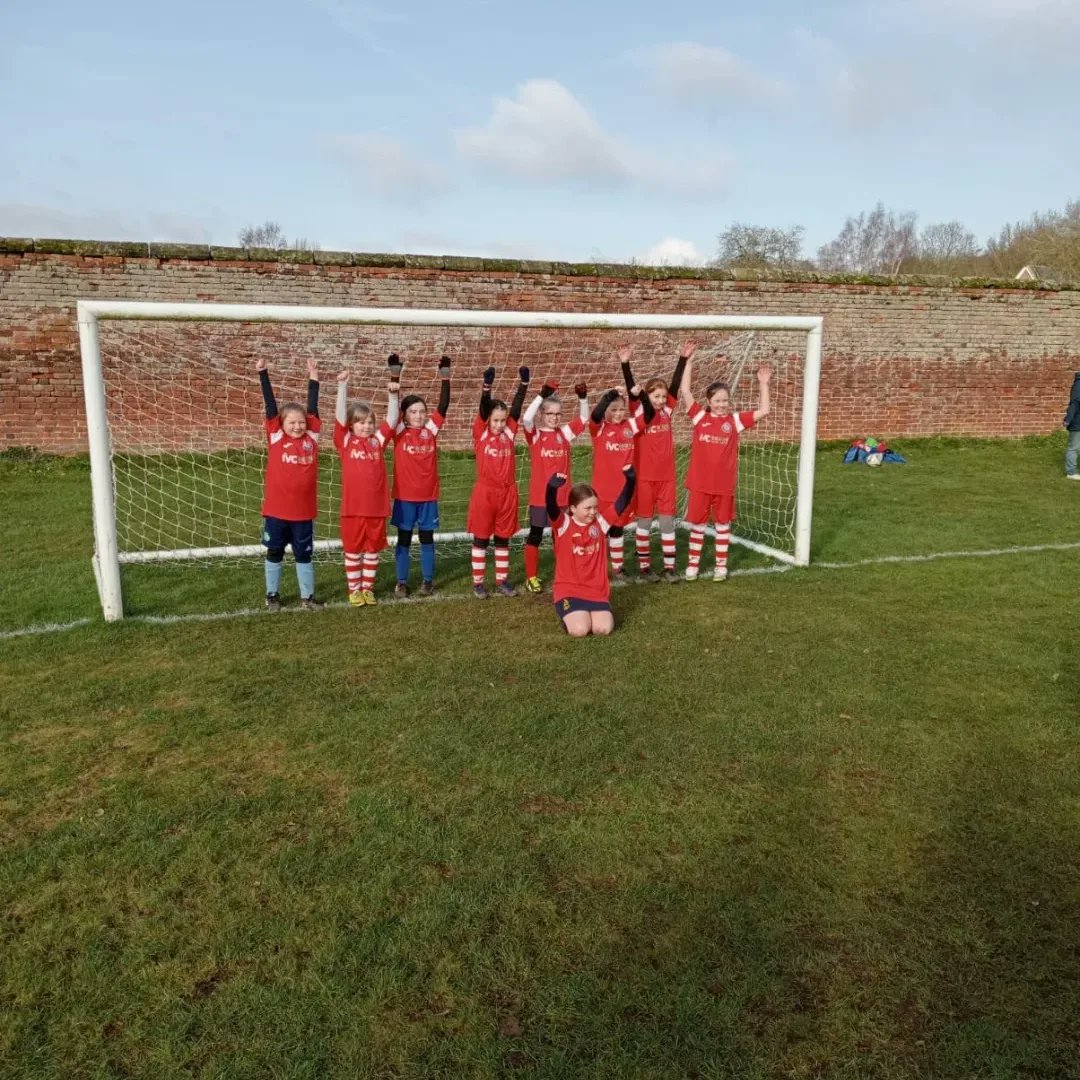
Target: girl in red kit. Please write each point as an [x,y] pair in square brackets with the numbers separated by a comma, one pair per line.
[416,482]
[289,497]
[714,464]
[549,453]
[493,507]
[365,501]
[654,462]
[613,438]
[582,589]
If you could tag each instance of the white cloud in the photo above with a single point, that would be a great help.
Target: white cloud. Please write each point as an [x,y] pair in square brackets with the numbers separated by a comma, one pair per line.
[687,72]
[872,91]
[672,251]
[1046,10]
[381,164]
[434,242]
[546,136]
[1018,33]
[26,219]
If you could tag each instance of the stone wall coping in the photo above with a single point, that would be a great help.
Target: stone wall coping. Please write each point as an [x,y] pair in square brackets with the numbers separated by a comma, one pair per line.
[13,245]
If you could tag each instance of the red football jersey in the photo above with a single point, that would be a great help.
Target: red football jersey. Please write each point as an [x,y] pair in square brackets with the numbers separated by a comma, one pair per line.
[549,453]
[654,454]
[416,460]
[292,471]
[714,451]
[494,453]
[363,471]
[580,559]
[613,447]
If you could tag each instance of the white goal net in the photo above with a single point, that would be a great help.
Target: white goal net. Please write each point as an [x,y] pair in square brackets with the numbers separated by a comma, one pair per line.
[176,417]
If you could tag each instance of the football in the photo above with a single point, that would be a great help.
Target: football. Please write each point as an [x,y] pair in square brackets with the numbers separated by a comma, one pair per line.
[874,459]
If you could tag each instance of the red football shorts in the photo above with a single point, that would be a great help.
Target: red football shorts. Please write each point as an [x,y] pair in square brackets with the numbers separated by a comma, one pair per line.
[607,512]
[363,535]
[493,511]
[701,504]
[655,497]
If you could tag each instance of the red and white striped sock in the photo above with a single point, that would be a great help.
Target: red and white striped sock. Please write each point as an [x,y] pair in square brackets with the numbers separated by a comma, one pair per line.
[479,564]
[667,543]
[723,541]
[697,540]
[371,568]
[615,549]
[641,539]
[502,564]
[352,570]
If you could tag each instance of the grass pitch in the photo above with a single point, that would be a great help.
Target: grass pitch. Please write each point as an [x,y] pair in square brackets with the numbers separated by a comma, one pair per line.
[821,823]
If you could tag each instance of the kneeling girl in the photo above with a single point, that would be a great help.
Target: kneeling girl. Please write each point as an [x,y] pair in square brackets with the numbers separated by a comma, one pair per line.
[582,588]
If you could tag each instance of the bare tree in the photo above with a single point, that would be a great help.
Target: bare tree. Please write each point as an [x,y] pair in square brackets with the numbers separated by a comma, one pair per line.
[877,242]
[271,235]
[759,246]
[947,241]
[267,235]
[1050,240]
[947,248]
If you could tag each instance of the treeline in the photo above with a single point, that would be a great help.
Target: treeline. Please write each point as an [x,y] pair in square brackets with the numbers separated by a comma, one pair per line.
[884,241]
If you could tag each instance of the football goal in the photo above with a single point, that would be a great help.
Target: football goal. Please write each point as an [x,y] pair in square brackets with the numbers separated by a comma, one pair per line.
[174,413]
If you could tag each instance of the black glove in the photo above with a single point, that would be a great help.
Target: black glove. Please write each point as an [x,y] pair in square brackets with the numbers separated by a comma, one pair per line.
[556,481]
[548,389]
[489,376]
[444,367]
[393,362]
[523,375]
[582,390]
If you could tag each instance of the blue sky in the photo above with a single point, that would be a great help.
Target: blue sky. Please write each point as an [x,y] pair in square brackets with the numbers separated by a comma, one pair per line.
[587,130]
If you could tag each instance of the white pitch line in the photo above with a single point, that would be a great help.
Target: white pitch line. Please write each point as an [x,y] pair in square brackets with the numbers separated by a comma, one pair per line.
[43,628]
[753,571]
[217,616]
[1032,549]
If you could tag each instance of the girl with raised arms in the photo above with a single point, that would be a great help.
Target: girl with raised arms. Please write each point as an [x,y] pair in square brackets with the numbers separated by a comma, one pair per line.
[365,500]
[549,453]
[493,507]
[416,482]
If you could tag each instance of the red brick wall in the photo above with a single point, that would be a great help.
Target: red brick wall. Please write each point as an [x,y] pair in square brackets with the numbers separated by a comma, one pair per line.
[900,358]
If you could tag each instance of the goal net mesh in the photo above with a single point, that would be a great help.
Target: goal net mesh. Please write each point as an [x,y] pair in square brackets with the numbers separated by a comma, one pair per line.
[185,416]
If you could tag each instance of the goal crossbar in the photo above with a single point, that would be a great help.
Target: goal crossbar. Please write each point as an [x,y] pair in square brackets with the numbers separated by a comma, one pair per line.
[107,558]
[566,320]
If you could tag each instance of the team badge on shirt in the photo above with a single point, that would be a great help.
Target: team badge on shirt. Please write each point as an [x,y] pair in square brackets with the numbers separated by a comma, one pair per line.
[424,433]
[725,427]
[628,432]
[594,532]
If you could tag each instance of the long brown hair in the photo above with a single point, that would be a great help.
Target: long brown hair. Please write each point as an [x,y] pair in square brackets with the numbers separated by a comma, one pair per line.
[579,493]
[358,410]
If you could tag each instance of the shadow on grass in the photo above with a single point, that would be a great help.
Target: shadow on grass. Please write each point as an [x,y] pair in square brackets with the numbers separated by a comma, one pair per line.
[995,991]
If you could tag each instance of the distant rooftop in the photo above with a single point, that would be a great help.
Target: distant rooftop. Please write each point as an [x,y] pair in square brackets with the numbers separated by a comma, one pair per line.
[1041,273]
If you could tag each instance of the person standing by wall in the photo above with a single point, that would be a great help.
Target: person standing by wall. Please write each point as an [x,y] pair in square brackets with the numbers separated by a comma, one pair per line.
[1072,424]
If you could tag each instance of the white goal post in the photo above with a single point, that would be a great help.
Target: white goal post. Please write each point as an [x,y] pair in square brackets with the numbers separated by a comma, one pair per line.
[108,553]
